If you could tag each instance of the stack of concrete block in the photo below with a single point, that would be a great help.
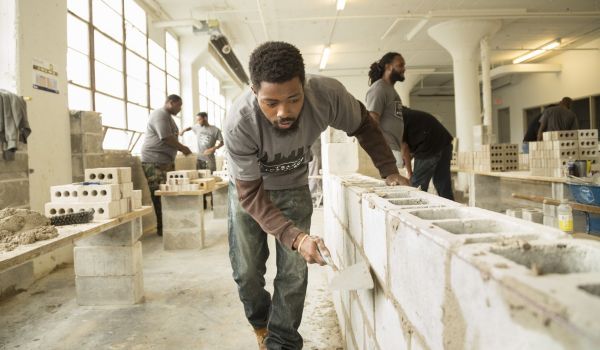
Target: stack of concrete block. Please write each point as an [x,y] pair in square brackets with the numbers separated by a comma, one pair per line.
[180,180]
[465,160]
[523,161]
[530,214]
[550,156]
[454,160]
[86,141]
[448,275]
[496,157]
[108,192]
[108,266]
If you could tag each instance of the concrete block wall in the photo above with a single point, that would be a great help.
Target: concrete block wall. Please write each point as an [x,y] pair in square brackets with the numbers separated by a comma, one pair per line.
[448,276]
[14,180]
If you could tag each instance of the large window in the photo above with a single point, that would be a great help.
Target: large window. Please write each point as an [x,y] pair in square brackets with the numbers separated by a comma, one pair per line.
[115,69]
[211,100]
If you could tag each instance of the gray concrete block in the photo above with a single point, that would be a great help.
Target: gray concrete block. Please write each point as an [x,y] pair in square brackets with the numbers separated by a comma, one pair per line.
[19,165]
[110,290]
[182,239]
[126,234]
[14,193]
[85,121]
[108,260]
[16,278]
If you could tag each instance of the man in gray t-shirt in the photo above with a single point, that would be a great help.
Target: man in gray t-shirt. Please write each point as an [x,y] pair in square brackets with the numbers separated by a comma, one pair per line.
[558,118]
[269,131]
[383,102]
[160,148]
[207,137]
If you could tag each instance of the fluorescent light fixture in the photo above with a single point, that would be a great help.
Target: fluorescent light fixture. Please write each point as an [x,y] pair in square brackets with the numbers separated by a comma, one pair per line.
[341,4]
[531,54]
[416,29]
[324,58]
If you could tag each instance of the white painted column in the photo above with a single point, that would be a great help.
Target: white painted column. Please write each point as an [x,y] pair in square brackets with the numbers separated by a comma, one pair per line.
[486,84]
[461,38]
[406,86]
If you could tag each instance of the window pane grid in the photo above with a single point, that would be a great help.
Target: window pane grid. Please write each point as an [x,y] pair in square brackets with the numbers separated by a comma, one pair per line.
[131,73]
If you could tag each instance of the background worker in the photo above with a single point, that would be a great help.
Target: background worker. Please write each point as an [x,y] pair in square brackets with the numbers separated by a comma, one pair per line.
[209,139]
[269,131]
[430,144]
[160,148]
[558,118]
[384,103]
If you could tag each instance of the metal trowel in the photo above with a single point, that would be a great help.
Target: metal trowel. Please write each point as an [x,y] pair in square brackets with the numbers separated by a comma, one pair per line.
[353,277]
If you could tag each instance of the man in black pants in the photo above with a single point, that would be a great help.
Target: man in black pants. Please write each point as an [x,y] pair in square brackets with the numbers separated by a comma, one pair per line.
[428,141]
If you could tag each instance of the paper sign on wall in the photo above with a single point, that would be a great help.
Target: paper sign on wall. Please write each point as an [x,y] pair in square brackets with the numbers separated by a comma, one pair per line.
[44,76]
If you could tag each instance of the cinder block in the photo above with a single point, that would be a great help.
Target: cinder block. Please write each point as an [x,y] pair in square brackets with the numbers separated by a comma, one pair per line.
[66,193]
[533,215]
[550,210]
[126,189]
[203,173]
[126,234]
[99,193]
[515,213]
[374,238]
[388,327]
[183,174]
[115,175]
[108,260]
[340,158]
[587,134]
[110,290]
[358,323]
[564,144]
[588,143]
[135,203]
[550,221]
[124,205]
[587,153]
[137,194]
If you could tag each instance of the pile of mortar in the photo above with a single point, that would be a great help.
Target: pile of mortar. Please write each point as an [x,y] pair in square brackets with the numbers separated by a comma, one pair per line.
[22,226]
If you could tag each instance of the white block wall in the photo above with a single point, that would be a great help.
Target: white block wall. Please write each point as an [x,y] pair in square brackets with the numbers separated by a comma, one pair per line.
[449,276]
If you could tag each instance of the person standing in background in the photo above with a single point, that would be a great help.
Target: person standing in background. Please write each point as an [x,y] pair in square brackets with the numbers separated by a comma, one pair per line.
[532,130]
[209,140]
[160,148]
[384,103]
[558,118]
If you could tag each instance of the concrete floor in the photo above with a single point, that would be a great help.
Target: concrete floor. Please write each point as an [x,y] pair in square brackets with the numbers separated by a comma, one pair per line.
[191,303]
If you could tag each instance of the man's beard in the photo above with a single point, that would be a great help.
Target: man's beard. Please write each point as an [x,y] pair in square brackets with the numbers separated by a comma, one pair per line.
[396,76]
[283,132]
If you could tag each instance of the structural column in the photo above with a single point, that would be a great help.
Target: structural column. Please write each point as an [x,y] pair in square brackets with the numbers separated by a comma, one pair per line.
[486,84]
[406,86]
[461,38]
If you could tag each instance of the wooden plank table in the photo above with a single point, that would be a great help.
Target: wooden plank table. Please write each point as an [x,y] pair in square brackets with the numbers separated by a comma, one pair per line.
[66,235]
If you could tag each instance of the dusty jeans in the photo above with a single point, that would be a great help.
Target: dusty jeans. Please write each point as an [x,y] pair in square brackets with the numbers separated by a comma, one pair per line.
[438,167]
[248,252]
[156,174]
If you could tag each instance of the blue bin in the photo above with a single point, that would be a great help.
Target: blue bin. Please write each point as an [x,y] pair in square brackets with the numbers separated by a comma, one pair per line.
[590,195]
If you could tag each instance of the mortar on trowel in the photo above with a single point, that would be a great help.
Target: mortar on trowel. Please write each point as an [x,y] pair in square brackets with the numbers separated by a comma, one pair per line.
[353,277]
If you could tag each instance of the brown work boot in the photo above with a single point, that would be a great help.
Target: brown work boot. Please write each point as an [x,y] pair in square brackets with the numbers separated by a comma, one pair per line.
[261,335]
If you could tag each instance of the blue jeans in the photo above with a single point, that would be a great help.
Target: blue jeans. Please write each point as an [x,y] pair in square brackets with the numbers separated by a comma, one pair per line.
[438,167]
[248,252]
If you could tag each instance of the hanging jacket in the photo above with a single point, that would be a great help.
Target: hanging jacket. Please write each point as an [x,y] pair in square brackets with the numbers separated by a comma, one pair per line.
[14,126]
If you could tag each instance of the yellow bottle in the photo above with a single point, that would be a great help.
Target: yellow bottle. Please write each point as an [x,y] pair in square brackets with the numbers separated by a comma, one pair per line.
[565,217]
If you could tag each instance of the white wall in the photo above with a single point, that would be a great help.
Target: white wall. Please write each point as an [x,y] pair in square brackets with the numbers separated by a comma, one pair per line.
[8,43]
[441,107]
[580,77]
[42,34]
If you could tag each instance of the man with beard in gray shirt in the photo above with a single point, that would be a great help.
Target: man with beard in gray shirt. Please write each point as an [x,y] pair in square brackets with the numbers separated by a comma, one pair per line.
[383,102]
[269,132]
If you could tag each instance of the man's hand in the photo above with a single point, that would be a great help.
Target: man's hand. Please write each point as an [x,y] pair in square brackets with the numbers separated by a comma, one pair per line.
[209,151]
[185,150]
[309,246]
[396,180]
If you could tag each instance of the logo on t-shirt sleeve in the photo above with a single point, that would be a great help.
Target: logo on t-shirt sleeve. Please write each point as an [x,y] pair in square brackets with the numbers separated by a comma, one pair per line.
[280,164]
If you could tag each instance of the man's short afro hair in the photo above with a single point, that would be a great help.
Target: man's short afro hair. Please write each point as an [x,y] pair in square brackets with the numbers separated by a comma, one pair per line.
[276,62]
